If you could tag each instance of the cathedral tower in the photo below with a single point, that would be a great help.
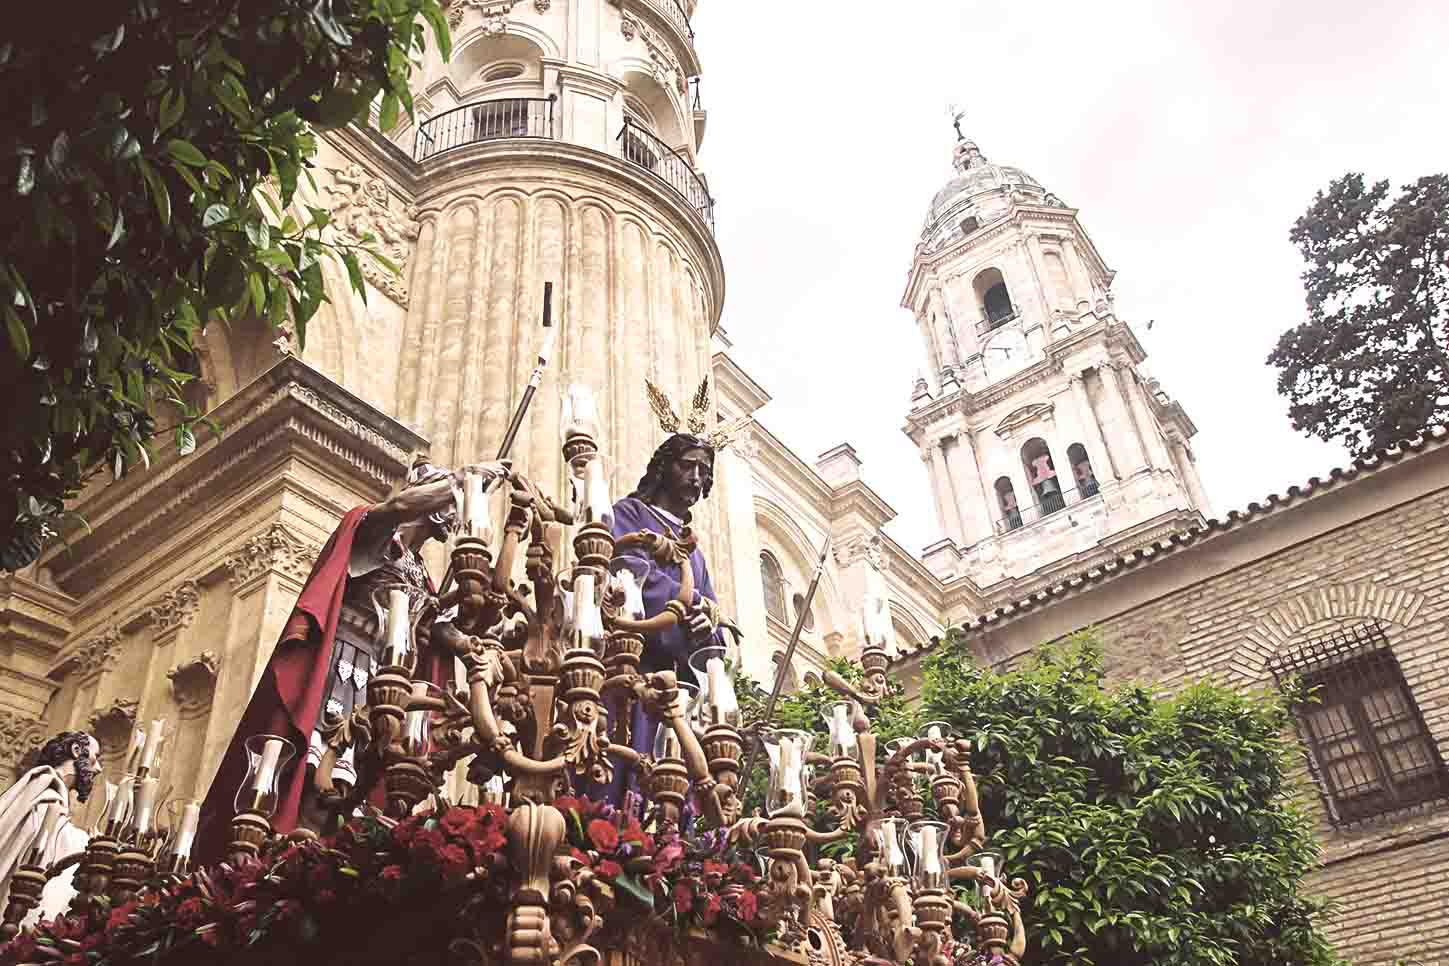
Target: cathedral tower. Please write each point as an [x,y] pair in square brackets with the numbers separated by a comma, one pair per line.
[1045,442]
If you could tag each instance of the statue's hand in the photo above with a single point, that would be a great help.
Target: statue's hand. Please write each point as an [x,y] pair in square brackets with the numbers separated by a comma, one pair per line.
[491,471]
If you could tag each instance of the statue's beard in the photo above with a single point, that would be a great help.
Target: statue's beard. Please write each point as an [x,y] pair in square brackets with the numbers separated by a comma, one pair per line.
[85,778]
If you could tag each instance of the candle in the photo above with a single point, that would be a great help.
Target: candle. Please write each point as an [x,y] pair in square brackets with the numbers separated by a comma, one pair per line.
[120,805]
[397,623]
[152,742]
[842,731]
[666,742]
[633,593]
[580,414]
[588,618]
[930,860]
[475,510]
[722,699]
[138,747]
[145,801]
[600,507]
[186,832]
[267,766]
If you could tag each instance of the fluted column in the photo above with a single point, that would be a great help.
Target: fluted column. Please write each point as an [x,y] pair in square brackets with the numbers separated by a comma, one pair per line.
[1126,443]
[941,488]
[1187,466]
[971,495]
[1151,434]
[1095,443]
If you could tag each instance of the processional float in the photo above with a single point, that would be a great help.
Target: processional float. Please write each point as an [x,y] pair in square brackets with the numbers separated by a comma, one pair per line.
[553,678]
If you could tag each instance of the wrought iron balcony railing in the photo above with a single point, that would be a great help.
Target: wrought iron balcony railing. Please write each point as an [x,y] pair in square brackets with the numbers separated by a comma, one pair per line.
[1052,503]
[512,117]
[639,146]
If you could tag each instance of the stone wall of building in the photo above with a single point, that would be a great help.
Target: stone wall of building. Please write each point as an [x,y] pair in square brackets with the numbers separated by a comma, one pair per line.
[1368,544]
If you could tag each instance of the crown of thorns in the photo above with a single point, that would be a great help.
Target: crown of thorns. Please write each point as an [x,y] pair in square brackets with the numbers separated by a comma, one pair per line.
[669,420]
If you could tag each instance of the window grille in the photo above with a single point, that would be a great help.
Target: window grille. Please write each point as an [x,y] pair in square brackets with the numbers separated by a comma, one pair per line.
[1367,746]
[774,580]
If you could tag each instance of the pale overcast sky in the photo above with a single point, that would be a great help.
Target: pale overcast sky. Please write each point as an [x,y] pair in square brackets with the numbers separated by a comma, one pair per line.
[1190,135]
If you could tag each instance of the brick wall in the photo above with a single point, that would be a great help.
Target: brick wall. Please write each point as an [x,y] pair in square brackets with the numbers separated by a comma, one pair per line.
[1390,877]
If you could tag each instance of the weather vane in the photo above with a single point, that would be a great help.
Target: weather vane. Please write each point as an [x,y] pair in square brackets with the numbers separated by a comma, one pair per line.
[956,115]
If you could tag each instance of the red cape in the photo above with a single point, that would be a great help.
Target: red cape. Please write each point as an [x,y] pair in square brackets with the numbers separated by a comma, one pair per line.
[288,698]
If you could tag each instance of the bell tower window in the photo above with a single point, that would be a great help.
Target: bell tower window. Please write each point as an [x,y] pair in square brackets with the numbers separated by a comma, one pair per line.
[1082,471]
[1006,499]
[994,298]
[1041,473]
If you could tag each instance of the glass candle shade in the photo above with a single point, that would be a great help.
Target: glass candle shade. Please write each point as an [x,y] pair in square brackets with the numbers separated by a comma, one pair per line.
[786,749]
[592,503]
[182,819]
[936,731]
[267,756]
[627,576]
[587,586]
[885,839]
[843,743]
[120,807]
[417,736]
[152,743]
[666,742]
[988,863]
[473,505]
[927,842]
[580,412]
[143,808]
[397,608]
[718,703]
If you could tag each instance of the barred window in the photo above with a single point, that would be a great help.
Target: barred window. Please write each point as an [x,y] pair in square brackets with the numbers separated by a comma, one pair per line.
[774,580]
[1366,743]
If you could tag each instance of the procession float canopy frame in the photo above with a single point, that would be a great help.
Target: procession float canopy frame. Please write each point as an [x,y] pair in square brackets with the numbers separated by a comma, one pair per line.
[552,683]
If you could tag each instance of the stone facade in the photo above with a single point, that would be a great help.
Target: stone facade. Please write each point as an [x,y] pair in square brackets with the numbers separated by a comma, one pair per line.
[1221,602]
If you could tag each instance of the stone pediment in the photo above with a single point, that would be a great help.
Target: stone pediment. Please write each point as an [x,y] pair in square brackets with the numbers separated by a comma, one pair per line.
[1023,416]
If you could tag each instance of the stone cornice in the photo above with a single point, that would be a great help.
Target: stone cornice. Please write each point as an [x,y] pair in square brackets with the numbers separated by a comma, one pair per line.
[857,498]
[680,42]
[735,385]
[288,413]
[562,165]
[34,614]
[797,476]
[370,148]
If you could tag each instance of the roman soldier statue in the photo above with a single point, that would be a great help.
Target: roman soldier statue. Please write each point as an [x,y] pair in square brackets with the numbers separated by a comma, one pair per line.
[67,763]
[322,662]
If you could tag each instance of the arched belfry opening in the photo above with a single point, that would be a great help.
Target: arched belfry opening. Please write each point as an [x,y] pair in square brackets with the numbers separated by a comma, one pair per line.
[1006,501]
[993,298]
[1041,474]
[1082,473]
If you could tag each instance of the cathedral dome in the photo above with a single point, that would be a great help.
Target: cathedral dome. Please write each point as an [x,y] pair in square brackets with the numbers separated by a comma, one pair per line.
[991,186]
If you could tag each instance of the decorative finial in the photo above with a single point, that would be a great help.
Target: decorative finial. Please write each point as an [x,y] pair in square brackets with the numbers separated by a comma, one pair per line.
[956,115]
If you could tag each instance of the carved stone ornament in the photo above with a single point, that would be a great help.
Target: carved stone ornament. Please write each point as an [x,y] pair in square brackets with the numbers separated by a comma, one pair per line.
[177,607]
[628,26]
[99,653]
[361,206]
[490,8]
[542,6]
[112,727]
[666,65]
[273,549]
[19,735]
[193,683]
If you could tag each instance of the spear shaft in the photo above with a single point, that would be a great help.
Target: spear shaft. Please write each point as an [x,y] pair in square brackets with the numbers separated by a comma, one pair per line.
[800,618]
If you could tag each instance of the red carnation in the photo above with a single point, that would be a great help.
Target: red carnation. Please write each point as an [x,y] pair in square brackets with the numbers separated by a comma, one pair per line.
[610,869]
[711,911]
[457,821]
[392,873]
[488,841]
[748,904]
[567,804]
[426,845]
[190,913]
[668,857]
[715,869]
[403,833]
[604,835]
[683,898]
[454,861]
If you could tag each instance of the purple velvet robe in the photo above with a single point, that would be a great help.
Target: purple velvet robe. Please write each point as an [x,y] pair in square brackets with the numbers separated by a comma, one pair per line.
[668,651]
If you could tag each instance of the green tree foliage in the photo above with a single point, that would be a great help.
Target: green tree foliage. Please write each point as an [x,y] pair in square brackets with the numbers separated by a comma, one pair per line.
[134,147]
[1370,366]
[1151,829]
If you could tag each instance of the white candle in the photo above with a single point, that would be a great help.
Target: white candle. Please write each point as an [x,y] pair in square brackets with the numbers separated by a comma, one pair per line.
[790,769]
[145,801]
[121,804]
[600,507]
[930,860]
[588,619]
[633,594]
[723,702]
[153,742]
[186,833]
[397,622]
[988,865]
[475,510]
[267,765]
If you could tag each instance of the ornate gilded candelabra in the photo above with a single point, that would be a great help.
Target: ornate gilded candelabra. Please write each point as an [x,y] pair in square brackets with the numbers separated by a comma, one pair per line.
[553,684]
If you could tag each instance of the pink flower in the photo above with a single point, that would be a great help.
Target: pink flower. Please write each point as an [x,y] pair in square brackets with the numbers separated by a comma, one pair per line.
[668,857]
[711,911]
[683,898]
[610,869]
[748,904]
[392,873]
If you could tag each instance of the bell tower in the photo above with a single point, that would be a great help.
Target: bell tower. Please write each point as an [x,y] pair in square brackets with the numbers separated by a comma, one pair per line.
[1045,442]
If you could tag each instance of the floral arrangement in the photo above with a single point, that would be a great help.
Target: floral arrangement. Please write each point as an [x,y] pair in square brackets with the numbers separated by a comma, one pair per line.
[425,872]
